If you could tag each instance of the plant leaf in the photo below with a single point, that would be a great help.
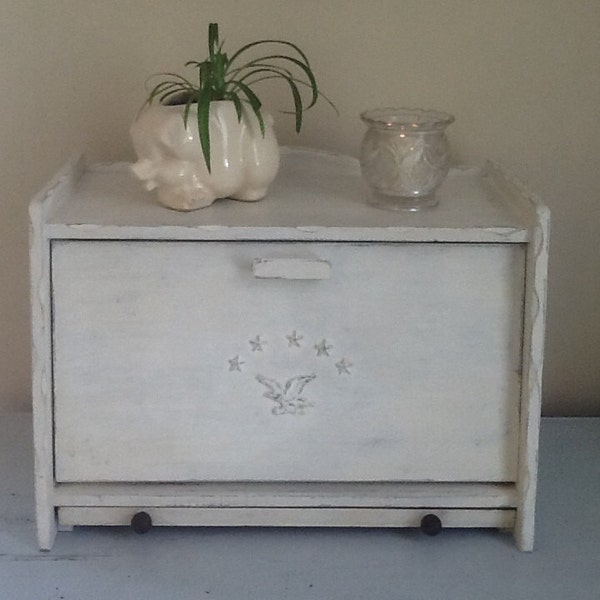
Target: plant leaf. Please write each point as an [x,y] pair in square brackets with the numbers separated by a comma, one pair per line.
[186,110]
[299,82]
[217,80]
[219,66]
[203,107]
[265,42]
[297,103]
[304,67]
[280,73]
[213,39]
[237,103]
[168,90]
[254,102]
[277,70]
[172,76]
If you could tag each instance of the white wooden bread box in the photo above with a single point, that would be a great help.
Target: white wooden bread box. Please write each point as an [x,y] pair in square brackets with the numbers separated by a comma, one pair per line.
[307,360]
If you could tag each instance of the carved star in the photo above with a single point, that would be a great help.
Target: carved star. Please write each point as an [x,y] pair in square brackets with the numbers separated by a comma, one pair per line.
[235,363]
[294,339]
[257,344]
[323,348]
[343,366]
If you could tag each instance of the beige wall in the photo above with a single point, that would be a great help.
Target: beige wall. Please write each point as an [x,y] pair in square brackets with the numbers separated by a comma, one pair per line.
[522,78]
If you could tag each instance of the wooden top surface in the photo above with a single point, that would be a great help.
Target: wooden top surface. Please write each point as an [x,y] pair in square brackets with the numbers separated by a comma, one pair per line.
[315,196]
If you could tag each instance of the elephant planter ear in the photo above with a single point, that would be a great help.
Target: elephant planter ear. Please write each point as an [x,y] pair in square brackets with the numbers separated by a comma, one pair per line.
[244,162]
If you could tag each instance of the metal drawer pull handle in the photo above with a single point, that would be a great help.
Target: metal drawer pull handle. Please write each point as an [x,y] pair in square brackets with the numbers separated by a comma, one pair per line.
[291,268]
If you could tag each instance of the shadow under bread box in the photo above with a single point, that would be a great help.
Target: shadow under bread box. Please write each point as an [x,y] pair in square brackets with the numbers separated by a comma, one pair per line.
[308,360]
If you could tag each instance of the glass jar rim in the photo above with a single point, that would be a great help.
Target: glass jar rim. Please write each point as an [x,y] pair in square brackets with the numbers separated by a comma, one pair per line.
[407,119]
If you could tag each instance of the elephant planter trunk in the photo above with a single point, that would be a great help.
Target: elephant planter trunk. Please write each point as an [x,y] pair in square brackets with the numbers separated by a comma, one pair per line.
[243,161]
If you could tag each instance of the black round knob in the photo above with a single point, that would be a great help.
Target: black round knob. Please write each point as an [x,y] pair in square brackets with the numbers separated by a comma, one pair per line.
[141,522]
[431,524]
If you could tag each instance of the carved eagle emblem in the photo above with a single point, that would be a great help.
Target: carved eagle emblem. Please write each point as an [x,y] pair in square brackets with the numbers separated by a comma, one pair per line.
[288,396]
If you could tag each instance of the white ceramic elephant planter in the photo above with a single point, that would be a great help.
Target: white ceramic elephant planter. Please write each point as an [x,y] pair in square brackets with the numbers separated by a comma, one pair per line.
[243,161]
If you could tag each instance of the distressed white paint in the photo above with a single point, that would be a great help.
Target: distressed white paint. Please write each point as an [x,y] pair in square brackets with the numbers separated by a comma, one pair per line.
[568,490]
[291,495]
[287,517]
[144,332]
[316,197]
[61,187]
[291,268]
[160,329]
[538,216]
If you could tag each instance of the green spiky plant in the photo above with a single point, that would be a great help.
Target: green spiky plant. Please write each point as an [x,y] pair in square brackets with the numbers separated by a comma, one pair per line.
[221,77]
